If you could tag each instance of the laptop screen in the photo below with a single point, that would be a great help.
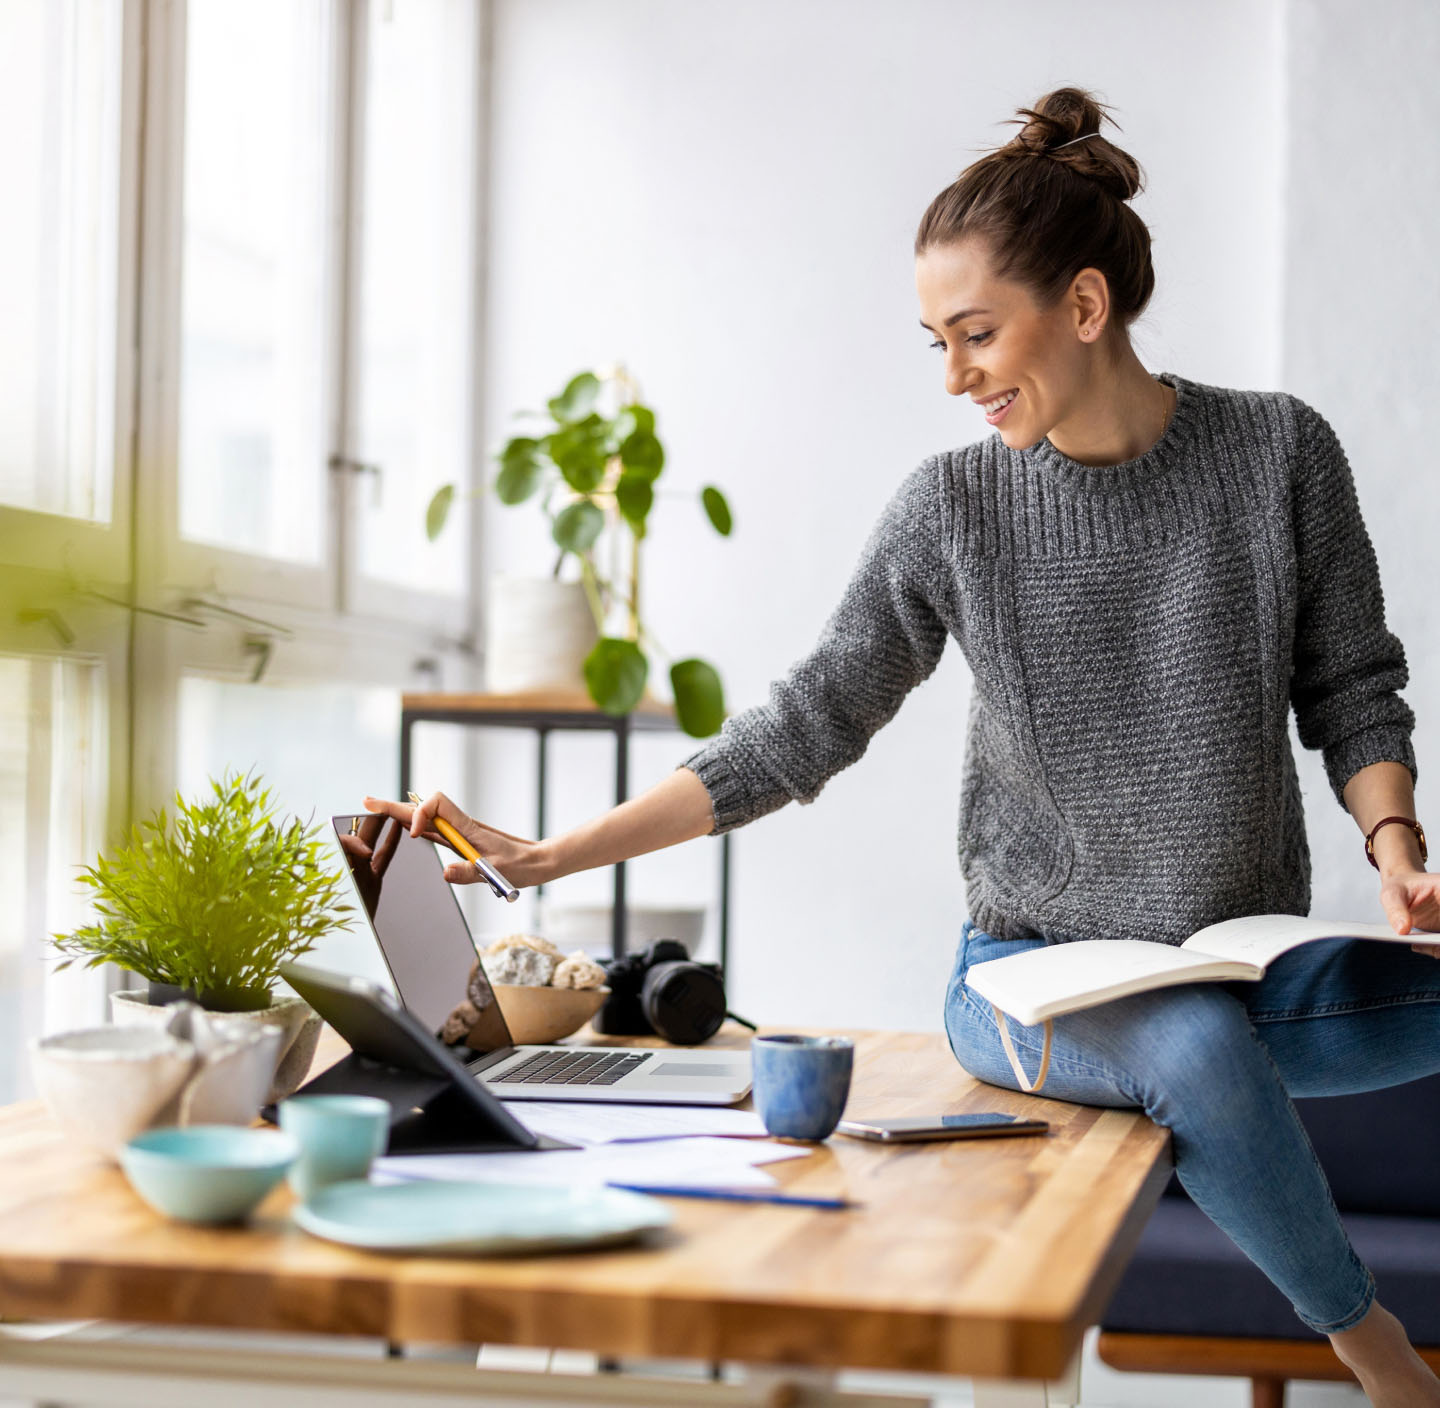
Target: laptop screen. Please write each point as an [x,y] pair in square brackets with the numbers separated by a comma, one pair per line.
[422,934]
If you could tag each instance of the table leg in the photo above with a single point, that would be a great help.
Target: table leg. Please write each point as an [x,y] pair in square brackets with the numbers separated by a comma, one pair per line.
[622,791]
[407,728]
[725,907]
[1063,1392]
[543,738]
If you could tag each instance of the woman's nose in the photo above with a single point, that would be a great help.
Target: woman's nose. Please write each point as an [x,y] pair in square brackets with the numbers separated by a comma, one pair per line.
[959,377]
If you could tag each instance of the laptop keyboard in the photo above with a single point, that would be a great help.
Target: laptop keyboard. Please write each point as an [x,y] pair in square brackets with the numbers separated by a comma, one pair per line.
[574,1068]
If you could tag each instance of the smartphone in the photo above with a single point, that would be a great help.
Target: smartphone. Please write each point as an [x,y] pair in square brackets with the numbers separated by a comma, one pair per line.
[914,1130]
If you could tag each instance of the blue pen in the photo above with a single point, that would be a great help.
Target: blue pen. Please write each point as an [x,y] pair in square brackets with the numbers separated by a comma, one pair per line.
[724,1195]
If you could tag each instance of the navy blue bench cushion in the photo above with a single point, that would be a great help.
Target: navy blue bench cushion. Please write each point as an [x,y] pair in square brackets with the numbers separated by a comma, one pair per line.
[1380,1150]
[1188,1278]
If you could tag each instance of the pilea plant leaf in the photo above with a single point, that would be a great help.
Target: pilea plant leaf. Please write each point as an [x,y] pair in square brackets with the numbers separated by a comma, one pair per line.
[699,697]
[438,510]
[580,450]
[642,453]
[717,510]
[577,399]
[578,525]
[635,495]
[615,673]
[522,467]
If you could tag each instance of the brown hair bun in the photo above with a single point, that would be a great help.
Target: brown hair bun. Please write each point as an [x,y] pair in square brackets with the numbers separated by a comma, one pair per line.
[1048,205]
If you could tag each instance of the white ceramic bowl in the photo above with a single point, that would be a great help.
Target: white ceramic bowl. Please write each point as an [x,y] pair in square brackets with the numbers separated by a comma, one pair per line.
[106,1084]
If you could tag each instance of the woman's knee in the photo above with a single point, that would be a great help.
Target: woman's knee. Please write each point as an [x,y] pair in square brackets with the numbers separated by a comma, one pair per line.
[1188,1048]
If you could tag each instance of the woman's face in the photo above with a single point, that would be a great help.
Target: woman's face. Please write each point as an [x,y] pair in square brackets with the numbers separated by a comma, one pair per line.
[1026,367]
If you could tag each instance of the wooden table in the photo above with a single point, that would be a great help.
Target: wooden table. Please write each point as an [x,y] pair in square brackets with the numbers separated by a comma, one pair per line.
[986,1258]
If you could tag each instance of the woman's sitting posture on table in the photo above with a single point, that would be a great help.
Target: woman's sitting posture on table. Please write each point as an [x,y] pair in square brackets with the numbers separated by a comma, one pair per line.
[1145,574]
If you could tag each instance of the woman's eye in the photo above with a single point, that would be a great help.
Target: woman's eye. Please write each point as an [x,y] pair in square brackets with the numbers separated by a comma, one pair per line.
[976,339]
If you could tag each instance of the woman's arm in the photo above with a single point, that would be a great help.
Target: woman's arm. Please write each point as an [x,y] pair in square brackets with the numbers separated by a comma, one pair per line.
[676,809]
[1410,896]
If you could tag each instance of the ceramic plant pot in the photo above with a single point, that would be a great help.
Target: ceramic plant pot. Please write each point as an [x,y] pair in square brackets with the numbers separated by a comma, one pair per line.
[299,1028]
[537,634]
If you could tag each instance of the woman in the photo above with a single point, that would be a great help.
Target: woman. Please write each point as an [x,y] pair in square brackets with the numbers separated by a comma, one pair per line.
[1145,575]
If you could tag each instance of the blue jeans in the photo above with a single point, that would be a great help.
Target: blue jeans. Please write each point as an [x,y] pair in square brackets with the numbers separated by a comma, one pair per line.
[1217,1065]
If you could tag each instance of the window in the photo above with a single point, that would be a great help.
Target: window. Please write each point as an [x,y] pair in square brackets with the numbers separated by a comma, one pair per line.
[246,328]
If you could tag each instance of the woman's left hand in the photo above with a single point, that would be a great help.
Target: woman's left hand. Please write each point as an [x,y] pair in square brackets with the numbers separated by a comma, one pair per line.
[1411,899]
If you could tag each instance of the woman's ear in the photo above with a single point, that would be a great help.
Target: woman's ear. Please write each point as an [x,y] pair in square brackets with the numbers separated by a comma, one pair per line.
[1090,300]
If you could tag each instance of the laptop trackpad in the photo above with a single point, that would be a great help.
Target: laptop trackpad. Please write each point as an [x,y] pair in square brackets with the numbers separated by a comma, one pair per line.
[691,1069]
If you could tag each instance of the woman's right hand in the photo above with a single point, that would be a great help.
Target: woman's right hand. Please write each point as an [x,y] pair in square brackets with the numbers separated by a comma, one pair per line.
[520,861]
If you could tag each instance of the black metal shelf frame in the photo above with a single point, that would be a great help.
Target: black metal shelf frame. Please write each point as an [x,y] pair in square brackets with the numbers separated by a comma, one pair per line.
[543,722]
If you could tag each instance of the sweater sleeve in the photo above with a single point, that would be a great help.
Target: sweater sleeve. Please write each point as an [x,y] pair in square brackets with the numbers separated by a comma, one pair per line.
[884,638]
[1348,668]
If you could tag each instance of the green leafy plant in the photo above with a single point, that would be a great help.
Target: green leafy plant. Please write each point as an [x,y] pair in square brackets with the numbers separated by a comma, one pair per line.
[213,900]
[592,470]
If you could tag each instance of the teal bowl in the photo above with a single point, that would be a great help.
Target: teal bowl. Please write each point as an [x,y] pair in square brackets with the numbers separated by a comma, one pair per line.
[207,1172]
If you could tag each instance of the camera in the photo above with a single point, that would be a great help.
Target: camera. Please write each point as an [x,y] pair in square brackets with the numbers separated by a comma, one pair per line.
[662,992]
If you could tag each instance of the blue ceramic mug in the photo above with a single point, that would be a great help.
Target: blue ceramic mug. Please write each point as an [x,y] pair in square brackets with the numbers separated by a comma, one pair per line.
[801,1083]
[339,1136]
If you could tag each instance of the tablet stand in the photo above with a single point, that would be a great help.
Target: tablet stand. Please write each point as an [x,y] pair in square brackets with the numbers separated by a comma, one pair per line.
[437,1104]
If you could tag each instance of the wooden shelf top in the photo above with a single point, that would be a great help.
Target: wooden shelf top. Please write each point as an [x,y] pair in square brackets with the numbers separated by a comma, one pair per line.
[987,1257]
[529,701]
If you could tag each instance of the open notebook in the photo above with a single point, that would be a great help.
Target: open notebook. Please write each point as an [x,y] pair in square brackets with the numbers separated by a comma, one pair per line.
[1042,983]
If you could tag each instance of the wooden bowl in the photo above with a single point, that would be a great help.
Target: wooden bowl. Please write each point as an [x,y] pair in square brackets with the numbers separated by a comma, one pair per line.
[537,1016]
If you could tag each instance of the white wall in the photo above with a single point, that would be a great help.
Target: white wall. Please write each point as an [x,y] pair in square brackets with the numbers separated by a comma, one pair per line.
[724,196]
[1361,305]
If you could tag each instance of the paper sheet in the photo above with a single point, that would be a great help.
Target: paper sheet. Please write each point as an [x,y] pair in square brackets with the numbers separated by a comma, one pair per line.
[687,1163]
[578,1122]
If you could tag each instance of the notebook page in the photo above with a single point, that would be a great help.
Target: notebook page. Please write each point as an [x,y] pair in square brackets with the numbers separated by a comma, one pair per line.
[1044,982]
[1262,938]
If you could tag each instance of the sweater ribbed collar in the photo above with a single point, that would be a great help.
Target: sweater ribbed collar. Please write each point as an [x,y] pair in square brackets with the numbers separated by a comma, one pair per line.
[1159,459]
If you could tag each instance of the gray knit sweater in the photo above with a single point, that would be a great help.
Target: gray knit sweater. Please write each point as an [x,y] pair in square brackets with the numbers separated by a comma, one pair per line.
[1138,634]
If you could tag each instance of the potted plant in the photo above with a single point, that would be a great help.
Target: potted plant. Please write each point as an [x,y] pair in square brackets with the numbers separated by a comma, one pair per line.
[594,464]
[207,905]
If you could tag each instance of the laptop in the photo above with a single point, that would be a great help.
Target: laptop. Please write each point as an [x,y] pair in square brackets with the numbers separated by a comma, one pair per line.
[426,944]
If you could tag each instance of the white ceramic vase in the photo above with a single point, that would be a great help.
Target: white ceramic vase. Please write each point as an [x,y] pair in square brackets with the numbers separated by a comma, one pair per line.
[537,634]
[299,1026]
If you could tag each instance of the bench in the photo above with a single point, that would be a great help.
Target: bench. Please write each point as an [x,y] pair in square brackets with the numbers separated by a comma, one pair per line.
[1191,1303]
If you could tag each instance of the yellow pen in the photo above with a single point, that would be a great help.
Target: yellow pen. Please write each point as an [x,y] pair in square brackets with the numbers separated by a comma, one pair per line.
[503,888]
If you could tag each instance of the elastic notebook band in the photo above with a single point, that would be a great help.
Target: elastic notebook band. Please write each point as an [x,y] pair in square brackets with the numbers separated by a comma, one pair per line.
[1014,1057]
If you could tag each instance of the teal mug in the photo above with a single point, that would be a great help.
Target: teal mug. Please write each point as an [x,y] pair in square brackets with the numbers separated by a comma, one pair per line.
[339,1136]
[801,1083]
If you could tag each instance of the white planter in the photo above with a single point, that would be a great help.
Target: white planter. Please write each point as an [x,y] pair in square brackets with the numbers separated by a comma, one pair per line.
[537,634]
[299,1025]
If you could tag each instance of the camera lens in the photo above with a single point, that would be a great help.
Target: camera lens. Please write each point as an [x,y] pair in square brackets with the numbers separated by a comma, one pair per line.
[683,1001]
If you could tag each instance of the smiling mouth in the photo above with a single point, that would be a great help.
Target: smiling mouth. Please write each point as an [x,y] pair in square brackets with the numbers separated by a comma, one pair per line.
[995,409]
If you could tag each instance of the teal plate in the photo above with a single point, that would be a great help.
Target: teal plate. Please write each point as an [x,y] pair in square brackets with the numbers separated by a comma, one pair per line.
[490,1218]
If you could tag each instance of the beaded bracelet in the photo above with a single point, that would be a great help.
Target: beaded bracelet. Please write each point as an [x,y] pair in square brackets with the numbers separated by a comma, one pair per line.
[1404,821]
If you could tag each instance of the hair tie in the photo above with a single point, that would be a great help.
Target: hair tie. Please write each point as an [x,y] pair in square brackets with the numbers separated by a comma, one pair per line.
[1073,140]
